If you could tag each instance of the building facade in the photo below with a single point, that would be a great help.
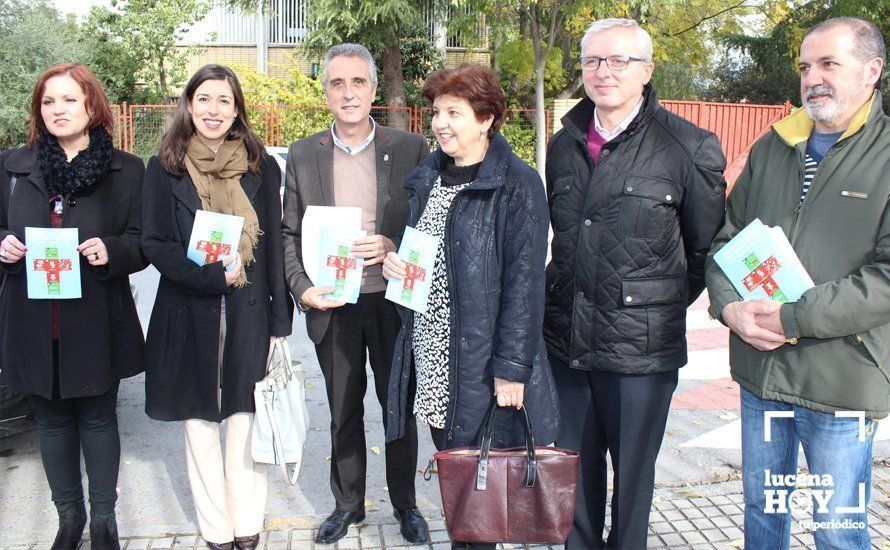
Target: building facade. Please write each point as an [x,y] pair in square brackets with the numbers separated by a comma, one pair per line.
[263,39]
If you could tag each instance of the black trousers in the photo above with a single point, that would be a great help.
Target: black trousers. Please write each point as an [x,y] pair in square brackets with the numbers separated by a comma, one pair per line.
[626,415]
[67,426]
[357,333]
[438,436]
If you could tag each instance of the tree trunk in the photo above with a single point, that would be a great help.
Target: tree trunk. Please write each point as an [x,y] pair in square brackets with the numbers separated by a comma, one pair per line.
[570,90]
[391,64]
[524,24]
[495,45]
[540,118]
[162,78]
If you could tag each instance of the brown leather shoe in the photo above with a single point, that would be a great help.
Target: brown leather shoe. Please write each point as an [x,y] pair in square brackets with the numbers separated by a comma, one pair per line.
[222,546]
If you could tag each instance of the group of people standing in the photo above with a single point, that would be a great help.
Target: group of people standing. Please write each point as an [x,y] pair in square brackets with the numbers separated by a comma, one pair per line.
[590,344]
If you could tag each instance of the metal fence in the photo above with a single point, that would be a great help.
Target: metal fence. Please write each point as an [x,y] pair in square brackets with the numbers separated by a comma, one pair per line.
[738,125]
[139,127]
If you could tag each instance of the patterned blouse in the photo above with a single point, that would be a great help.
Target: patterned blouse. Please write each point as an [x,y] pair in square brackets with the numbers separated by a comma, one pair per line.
[432,329]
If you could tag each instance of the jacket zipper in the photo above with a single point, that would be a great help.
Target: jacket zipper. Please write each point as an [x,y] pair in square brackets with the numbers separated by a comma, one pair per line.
[455,314]
[793,230]
[591,166]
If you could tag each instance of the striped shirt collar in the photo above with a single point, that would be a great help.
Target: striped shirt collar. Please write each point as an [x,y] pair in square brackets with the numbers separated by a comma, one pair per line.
[361,146]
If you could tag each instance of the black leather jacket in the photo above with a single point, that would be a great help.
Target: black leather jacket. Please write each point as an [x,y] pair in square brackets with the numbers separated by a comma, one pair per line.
[495,250]
[630,239]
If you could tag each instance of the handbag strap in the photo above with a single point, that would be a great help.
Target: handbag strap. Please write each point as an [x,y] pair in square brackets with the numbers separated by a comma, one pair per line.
[276,443]
[531,469]
[280,347]
[285,351]
[274,347]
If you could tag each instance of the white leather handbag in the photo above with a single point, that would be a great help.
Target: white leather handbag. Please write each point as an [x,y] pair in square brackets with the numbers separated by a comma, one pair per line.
[282,419]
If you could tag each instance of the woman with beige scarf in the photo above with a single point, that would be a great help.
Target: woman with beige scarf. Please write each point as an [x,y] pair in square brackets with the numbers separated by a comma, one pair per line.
[211,326]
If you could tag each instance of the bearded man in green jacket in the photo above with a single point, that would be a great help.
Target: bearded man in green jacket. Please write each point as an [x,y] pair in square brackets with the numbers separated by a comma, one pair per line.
[815,371]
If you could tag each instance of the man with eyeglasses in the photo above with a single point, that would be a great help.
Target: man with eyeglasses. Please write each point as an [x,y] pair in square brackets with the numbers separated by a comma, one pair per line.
[636,195]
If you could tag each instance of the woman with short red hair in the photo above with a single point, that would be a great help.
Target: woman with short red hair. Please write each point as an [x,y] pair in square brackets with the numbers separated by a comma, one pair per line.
[69,355]
[480,340]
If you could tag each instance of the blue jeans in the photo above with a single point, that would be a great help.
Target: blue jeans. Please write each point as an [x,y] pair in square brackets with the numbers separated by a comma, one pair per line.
[835,455]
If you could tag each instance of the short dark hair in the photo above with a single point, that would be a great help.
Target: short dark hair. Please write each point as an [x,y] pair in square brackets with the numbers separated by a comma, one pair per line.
[171,151]
[478,85]
[94,100]
[868,42]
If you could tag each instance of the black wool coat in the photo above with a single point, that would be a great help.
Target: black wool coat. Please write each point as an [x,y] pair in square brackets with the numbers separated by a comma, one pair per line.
[183,377]
[100,338]
[495,248]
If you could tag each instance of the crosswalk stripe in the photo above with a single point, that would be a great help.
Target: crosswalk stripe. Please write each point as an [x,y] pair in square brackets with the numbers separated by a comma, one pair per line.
[709,364]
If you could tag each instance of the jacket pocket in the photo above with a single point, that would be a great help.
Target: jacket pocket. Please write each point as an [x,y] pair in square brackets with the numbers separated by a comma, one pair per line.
[653,290]
[648,206]
[864,345]
[664,301]
[561,210]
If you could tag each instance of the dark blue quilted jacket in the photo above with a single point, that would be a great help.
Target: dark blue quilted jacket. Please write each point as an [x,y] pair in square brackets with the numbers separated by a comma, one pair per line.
[495,251]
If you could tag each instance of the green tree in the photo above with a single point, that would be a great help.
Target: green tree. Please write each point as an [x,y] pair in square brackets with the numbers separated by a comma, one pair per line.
[420,58]
[515,61]
[135,46]
[764,66]
[380,26]
[33,36]
[685,36]
[300,101]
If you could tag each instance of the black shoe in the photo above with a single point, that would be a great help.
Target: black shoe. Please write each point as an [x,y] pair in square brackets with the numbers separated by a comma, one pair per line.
[335,526]
[223,546]
[103,535]
[247,543]
[72,520]
[68,536]
[413,525]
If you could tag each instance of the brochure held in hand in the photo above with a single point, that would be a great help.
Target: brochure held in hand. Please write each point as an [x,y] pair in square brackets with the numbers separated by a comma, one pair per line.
[214,237]
[761,263]
[418,250]
[337,266]
[52,263]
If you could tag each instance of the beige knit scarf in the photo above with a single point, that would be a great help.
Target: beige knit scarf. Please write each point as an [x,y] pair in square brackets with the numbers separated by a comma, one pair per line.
[217,179]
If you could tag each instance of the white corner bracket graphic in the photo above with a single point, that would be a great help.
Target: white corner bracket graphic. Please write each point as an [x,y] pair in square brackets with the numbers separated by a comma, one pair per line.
[854,509]
[767,418]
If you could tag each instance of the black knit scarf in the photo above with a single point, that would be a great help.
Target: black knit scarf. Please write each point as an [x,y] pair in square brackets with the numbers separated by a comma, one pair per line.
[83,172]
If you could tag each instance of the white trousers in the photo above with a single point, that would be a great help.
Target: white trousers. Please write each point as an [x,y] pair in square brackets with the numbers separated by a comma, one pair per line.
[230,499]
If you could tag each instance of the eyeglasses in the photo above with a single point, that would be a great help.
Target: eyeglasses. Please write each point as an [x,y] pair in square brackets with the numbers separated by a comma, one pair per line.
[613,62]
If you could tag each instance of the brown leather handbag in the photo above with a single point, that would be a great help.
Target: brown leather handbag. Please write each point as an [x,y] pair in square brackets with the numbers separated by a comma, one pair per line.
[521,494]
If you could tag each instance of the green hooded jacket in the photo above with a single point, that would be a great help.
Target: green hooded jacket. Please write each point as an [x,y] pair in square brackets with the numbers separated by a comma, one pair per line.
[839,331]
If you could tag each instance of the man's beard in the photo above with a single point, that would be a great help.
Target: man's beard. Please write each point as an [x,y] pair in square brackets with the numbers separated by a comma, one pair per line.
[826,109]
